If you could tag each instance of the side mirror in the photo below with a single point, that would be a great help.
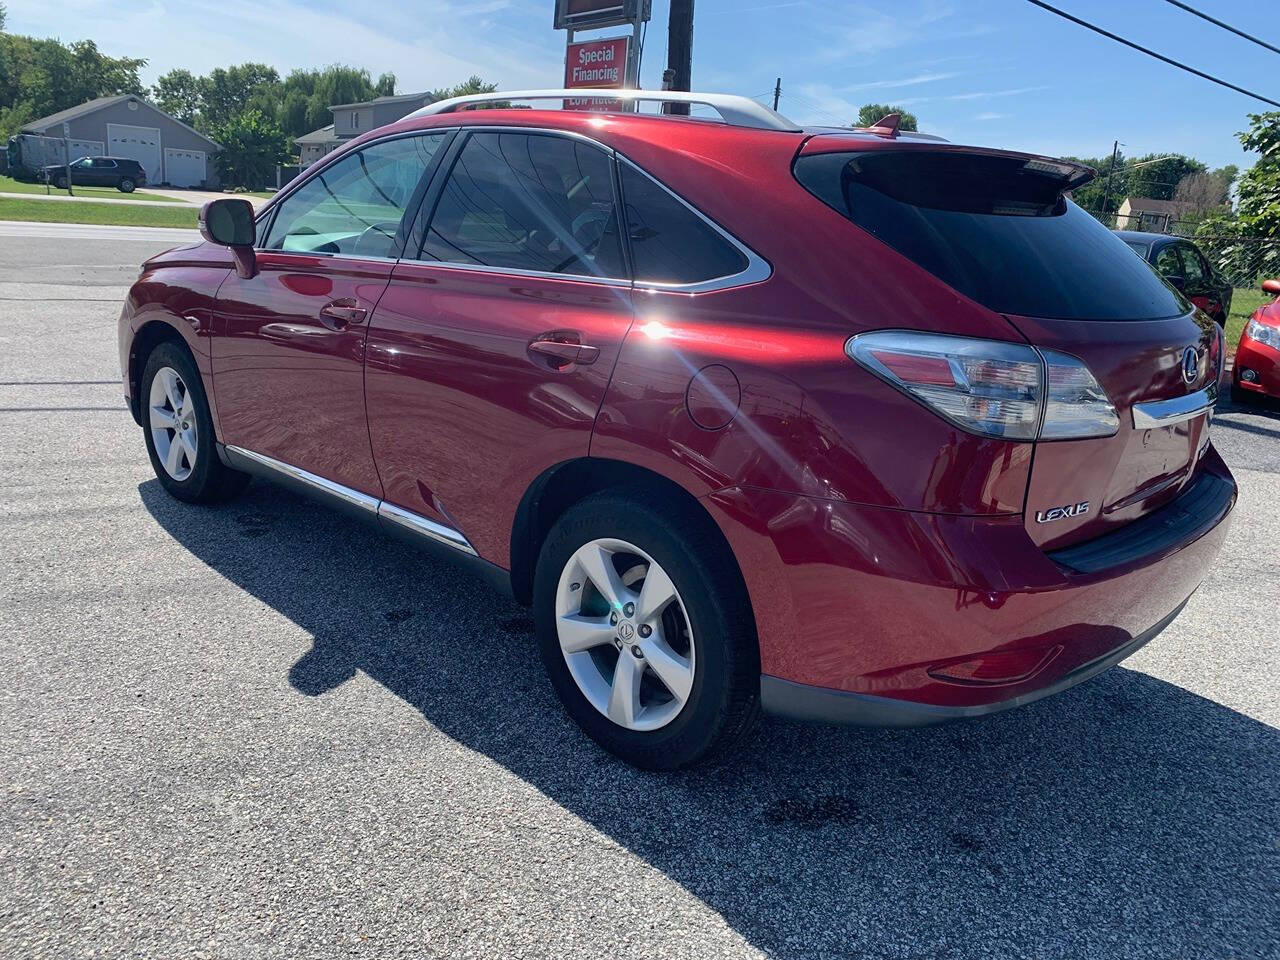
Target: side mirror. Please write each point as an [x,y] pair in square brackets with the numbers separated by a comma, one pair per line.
[1179,282]
[1272,287]
[228,222]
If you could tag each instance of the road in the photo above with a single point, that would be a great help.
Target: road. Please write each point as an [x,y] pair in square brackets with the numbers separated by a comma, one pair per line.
[262,730]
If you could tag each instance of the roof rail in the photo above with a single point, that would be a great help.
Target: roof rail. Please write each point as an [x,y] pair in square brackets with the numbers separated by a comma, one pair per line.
[734,110]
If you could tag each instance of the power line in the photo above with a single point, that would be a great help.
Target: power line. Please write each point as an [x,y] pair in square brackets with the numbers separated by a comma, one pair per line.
[1225,26]
[1151,53]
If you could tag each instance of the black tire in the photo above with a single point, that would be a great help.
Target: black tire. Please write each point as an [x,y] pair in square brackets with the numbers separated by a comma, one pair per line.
[126,185]
[60,183]
[210,480]
[724,704]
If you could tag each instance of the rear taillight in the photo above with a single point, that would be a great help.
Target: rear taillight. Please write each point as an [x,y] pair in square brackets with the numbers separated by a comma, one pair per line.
[1009,390]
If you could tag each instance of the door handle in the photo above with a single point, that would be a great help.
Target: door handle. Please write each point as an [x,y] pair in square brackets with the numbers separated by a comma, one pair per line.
[562,353]
[339,313]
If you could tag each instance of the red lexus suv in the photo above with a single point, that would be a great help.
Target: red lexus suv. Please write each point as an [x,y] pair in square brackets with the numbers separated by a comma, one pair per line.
[844,425]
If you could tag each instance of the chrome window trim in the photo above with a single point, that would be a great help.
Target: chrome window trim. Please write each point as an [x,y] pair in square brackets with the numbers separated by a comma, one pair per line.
[517,272]
[1167,413]
[362,502]
[757,268]
[425,526]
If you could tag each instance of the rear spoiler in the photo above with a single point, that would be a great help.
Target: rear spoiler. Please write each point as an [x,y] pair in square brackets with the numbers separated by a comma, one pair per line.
[1069,174]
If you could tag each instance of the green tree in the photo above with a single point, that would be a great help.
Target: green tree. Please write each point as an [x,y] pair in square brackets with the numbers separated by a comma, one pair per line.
[178,93]
[3,13]
[1258,197]
[1156,176]
[1093,196]
[297,104]
[870,113]
[472,85]
[39,77]
[226,92]
[252,145]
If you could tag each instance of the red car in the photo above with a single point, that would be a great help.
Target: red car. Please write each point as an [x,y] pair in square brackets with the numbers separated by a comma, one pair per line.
[1257,366]
[842,425]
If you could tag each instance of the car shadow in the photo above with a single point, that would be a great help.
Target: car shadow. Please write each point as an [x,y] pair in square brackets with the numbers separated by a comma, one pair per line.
[1125,816]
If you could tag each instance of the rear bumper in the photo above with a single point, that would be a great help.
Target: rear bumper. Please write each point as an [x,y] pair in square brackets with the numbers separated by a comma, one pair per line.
[799,701]
[891,617]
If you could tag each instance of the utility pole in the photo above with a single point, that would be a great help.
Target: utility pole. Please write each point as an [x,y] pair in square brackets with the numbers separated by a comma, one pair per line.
[66,151]
[680,49]
[1106,194]
[777,93]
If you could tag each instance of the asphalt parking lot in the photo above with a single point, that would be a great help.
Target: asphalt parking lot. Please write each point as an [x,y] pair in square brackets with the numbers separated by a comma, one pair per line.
[262,730]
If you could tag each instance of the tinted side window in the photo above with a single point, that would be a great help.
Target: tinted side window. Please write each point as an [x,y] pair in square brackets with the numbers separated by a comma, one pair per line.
[1191,262]
[669,242]
[354,206]
[1169,263]
[528,202]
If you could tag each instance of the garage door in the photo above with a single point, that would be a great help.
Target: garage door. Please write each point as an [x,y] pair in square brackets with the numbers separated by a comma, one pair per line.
[184,168]
[136,143]
[85,148]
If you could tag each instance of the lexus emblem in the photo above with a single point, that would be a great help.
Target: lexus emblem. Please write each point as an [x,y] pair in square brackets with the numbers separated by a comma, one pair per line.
[626,631]
[1190,364]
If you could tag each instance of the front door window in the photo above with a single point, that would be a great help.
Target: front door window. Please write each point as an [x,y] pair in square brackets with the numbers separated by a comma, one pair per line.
[354,206]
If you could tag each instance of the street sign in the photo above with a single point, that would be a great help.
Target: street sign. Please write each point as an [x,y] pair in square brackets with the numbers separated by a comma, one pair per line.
[598,64]
[595,14]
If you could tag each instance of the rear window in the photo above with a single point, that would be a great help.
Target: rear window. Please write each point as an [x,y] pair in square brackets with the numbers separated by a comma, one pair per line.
[993,229]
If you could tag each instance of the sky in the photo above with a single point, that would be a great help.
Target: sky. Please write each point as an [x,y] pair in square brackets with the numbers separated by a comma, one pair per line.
[995,72]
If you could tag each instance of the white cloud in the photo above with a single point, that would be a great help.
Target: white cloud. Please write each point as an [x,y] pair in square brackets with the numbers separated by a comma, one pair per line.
[438,44]
[989,115]
[904,82]
[974,95]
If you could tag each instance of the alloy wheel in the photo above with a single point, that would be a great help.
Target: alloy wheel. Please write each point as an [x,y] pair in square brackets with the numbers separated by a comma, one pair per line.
[625,634]
[172,417]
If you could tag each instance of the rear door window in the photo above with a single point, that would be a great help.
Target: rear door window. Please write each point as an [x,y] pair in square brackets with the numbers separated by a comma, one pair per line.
[670,243]
[1169,262]
[535,202]
[1192,264]
[354,206]
[996,228]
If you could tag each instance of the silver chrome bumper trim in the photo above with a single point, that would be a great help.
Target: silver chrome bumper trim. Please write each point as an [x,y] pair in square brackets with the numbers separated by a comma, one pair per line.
[1166,413]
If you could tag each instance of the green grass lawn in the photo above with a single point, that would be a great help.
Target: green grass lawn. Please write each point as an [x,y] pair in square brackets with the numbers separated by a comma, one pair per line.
[10,185]
[114,214]
[1243,302]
